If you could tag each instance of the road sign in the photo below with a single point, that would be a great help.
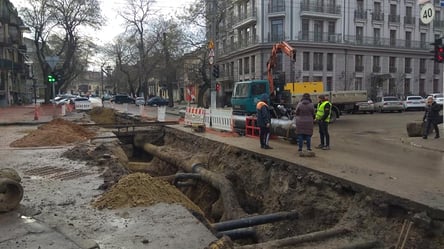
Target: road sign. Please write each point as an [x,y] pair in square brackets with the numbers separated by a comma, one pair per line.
[211,57]
[211,44]
[441,3]
[427,13]
[52,61]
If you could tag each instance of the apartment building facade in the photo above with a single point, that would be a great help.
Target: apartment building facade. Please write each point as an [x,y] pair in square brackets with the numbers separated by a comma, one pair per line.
[380,46]
[14,63]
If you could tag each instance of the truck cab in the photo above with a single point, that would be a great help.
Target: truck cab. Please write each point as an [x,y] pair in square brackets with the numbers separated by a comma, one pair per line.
[246,94]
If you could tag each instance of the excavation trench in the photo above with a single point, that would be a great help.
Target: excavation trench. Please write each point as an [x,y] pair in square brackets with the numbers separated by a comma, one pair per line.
[230,183]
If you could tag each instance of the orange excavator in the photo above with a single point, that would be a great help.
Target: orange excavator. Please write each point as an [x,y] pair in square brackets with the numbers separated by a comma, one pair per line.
[285,48]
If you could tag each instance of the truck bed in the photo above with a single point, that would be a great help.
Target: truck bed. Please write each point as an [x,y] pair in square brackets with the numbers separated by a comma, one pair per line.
[335,97]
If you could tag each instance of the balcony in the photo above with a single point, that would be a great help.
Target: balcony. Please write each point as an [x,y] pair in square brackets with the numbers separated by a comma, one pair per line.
[276,38]
[360,15]
[318,67]
[359,68]
[436,70]
[393,69]
[376,69]
[319,37]
[422,70]
[408,70]
[409,20]
[384,42]
[245,18]
[320,10]
[438,25]
[378,16]
[276,8]
[394,19]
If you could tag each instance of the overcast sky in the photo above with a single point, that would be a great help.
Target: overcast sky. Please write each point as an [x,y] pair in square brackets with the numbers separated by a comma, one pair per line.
[110,9]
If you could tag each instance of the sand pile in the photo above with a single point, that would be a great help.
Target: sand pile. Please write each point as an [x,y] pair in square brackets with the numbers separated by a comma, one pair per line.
[141,189]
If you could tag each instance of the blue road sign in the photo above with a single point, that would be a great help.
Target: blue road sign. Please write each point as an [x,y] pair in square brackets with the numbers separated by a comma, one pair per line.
[441,3]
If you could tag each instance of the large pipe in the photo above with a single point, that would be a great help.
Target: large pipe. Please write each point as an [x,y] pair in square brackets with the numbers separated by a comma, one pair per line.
[279,127]
[11,193]
[240,233]
[255,220]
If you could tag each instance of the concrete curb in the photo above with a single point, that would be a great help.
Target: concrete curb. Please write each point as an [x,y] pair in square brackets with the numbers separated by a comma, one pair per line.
[422,146]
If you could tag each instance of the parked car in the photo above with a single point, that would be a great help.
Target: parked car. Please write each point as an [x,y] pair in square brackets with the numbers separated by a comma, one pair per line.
[414,103]
[389,104]
[157,101]
[438,98]
[140,101]
[120,99]
[364,107]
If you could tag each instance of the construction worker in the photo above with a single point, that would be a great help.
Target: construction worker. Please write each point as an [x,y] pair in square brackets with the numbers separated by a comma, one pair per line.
[263,121]
[323,113]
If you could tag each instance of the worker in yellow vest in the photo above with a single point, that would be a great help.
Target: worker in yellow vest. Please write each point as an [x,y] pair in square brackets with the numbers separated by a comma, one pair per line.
[323,114]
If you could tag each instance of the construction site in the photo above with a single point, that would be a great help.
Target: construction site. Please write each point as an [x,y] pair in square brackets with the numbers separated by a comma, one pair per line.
[103,179]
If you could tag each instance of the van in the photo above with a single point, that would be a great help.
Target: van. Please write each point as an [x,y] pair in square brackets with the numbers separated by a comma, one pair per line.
[120,99]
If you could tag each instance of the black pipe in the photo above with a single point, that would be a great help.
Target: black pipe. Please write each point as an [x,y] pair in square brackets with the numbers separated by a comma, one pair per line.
[255,220]
[184,176]
[240,233]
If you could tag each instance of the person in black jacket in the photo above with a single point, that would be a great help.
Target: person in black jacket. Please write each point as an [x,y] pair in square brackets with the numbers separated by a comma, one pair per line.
[431,117]
[263,121]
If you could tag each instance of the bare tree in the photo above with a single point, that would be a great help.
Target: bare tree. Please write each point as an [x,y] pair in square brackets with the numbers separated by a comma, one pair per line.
[56,25]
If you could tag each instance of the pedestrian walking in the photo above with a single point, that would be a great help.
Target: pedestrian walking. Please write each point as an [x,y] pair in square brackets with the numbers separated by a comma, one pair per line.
[304,115]
[431,117]
[323,114]
[263,121]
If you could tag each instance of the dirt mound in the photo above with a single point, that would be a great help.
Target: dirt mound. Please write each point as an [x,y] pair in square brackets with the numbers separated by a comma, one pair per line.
[103,115]
[141,189]
[56,132]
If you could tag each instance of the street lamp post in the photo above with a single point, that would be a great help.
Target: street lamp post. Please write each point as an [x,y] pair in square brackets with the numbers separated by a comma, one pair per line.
[107,72]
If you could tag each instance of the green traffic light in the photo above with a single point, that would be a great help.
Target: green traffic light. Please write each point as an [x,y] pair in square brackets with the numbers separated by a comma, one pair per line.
[51,79]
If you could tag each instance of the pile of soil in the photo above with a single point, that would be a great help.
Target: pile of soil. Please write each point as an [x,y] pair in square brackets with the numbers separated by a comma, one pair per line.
[103,115]
[141,189]
[57,132]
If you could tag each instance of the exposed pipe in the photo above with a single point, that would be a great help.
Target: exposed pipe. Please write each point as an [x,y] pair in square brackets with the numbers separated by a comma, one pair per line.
[240,233]
[255,220]
[279,127]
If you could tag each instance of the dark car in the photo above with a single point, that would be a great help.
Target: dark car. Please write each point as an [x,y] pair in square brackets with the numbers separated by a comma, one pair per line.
[157,101]
[120,99]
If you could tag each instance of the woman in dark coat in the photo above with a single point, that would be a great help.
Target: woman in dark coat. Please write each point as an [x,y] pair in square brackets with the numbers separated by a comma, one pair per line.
[304,121]
[431,117]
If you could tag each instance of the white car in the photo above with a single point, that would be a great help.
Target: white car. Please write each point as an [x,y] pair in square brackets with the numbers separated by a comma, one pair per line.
[414,102]
[389,104]
[438,98]
[140,101]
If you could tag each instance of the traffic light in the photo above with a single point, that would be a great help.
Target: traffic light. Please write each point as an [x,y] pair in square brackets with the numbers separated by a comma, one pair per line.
[216,71]
[438,52]
[51,78]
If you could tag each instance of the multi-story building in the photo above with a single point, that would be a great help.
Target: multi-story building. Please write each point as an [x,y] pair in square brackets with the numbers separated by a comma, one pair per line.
[14,70]
[380,46]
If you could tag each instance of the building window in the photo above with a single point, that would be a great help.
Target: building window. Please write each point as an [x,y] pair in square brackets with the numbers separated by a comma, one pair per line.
[408,65]
[306,79]
[253,64]
[358,83]
[317,61]
[407,91]
[376,66]
[329,62]
[317,78]
[277,30]
[359,66]
[232,69]
[408,39]
[392,64]
[240,66]
[392,87]
[435,85]
[306,61]
[393,38]
[377,36]
[422,65]
[305,29]
[422,39]
[359,35]
[422,87]
[331,32]
[329,84]
[247,65]
[318,30]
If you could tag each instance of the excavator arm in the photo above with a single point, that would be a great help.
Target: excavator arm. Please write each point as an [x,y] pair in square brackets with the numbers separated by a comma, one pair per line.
[271,63]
